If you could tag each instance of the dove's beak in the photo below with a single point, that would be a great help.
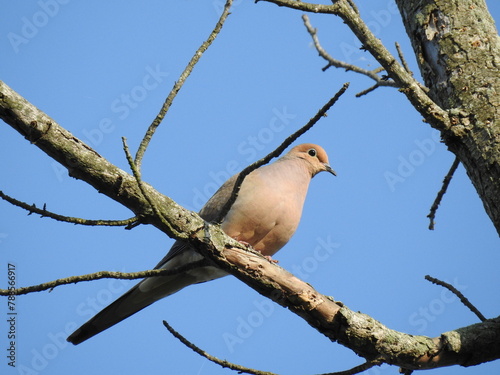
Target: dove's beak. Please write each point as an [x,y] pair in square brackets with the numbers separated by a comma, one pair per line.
[329,169]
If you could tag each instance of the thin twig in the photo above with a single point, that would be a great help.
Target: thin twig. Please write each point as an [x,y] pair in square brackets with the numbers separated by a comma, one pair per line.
[402,58]
[226,364]
[367,91]
[357,369]
[32,208]
[287,142]
[220,362]
[179,83]
[440,194]
[342,64]
[454,290]
[306,7]
[137,174]
[353,6]
[103,275]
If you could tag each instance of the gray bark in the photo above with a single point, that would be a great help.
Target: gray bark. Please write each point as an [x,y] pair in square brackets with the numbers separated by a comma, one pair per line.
[458,51]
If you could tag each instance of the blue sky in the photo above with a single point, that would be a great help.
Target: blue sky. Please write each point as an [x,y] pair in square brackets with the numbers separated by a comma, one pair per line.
[102,71]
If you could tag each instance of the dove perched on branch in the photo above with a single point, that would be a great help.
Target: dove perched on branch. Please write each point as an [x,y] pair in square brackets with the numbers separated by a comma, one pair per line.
[265,215]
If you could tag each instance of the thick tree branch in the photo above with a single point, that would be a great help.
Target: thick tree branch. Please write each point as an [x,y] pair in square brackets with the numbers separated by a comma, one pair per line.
[86,164]
[457,47]
[432,113]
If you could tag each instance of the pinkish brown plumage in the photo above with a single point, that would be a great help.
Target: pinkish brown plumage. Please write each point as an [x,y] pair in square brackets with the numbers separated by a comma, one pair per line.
[265,215]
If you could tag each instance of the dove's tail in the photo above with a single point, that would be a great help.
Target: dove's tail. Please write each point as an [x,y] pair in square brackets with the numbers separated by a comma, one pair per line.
[128,304]
[149,291]
[140,296]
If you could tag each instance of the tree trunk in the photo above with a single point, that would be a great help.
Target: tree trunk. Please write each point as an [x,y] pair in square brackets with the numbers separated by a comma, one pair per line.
[458,51]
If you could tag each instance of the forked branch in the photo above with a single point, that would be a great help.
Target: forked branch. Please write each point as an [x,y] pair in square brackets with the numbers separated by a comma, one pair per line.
[373,74]
[415,93]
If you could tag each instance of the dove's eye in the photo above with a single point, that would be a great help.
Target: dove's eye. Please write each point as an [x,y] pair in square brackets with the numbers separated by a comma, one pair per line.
[312,152]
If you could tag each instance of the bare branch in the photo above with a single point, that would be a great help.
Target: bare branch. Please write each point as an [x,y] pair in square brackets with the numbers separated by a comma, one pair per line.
[402,58]
[222,363]
[455,291]
[357,369]
[367,91]
[287,142]
[442,192]
[179,83]
[413,90]
[342,64]
[241,369]
[137,174]
[102,275]
[68,219]
[353,6]
[306,7]
[86,164]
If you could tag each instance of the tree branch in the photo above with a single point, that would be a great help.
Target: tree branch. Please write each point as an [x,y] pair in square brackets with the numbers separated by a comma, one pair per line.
[101,275]
[380,81]
[455,291]
[211,358]
[87,165]
[128,223]
[402,58]
[357,369]
[442,192]
[179,83]
[241,369]
[432,113]
[306,7]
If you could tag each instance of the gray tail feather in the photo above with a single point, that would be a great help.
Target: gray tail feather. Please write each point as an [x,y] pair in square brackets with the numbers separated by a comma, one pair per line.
[122,308]
[140,296]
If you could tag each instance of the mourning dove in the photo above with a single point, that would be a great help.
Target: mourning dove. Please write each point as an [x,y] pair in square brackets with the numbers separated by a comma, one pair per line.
[265,215]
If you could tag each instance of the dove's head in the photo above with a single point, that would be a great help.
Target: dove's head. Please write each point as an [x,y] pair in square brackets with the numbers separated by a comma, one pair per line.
[315,157]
